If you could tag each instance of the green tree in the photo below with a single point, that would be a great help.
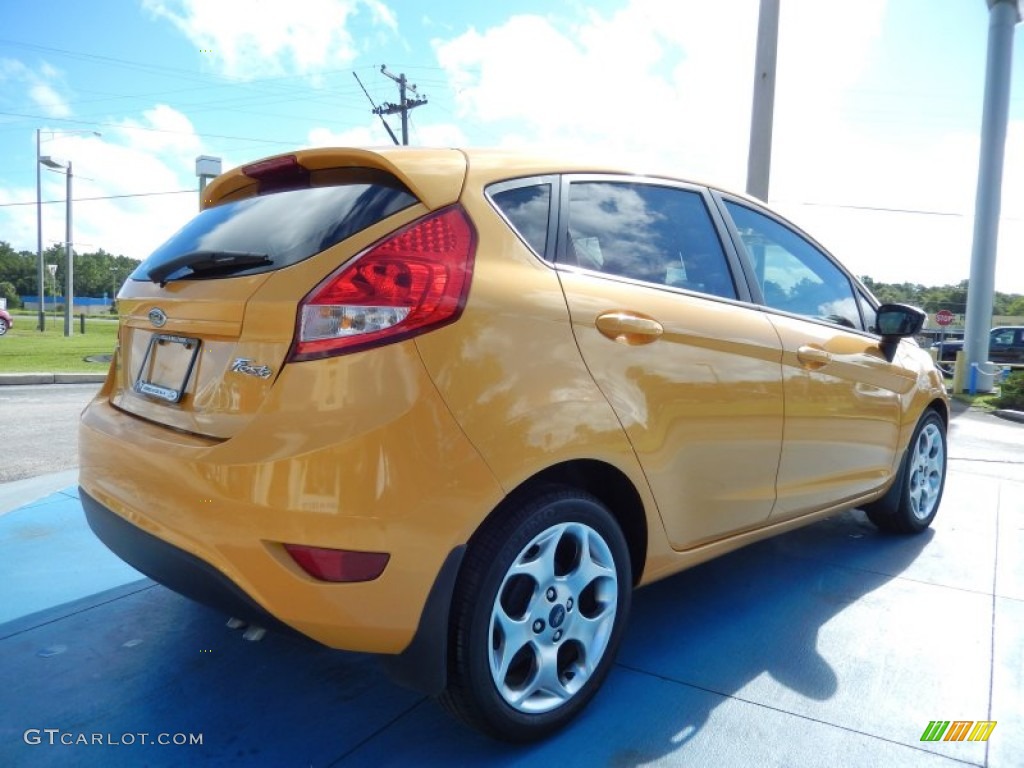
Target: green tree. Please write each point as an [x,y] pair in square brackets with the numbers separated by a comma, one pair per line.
[932,299]
[9,292]
[19,269]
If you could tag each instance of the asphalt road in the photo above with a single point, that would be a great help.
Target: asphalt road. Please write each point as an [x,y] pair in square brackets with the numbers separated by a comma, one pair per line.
[39,428]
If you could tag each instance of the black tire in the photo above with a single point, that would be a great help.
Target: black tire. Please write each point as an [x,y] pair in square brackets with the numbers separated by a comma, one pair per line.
[3,326]
[578,614]
[913,501]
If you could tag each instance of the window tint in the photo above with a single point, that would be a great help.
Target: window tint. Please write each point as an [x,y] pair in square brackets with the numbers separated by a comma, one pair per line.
[656,234]
[285,226]
[794,275]
[528,209]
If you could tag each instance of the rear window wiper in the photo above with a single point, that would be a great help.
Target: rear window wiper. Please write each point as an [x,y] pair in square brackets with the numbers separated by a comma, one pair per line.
[220,262]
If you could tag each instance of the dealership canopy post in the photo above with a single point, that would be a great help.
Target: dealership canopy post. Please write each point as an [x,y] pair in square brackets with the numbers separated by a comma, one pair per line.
[1003,16]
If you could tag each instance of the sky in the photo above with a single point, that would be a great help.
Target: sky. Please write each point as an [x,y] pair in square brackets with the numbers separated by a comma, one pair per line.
[877,110]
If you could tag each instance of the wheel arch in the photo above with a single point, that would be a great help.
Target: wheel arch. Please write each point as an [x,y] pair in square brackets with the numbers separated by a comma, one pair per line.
[605,482]
[423,665]
[941,407]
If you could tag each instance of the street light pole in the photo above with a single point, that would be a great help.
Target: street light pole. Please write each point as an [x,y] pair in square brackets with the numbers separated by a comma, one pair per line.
[49,162]
[39,239]
[69,299]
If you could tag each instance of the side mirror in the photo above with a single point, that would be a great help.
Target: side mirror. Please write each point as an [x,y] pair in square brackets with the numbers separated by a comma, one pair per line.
[897,321]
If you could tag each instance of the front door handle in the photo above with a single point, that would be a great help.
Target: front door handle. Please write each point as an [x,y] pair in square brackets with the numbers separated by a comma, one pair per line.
[812,356]
[631,328]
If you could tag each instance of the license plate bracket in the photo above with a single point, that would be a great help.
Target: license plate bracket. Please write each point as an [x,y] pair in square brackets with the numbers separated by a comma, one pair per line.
[167,367]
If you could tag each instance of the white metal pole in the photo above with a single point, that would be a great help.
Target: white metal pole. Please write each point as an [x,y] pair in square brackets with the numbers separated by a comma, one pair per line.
[1003,16]
[39,239]
[759,157]
[69,298]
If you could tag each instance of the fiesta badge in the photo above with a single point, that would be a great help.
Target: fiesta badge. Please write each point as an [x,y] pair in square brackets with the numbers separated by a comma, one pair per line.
[246,366]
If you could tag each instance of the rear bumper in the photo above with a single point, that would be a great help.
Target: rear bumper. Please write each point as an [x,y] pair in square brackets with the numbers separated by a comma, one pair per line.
[326,464]
[175,568]
[422,666]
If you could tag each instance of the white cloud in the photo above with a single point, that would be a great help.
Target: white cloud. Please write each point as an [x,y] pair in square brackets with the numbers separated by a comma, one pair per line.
[354,137]
[255,38]
[49,100]
[161,128]
[41,87]
[438,135]
[652,84]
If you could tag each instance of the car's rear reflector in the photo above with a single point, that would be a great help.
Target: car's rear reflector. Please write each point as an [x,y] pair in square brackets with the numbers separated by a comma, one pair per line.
[414,281]
[339,565]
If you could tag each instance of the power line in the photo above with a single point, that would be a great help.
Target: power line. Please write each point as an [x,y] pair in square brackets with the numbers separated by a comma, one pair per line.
[875,208]
[62,201]
[378,114]
[882,209]
[151,130]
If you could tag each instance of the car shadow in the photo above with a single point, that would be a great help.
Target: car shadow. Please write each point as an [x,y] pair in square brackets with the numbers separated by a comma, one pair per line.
[748,625]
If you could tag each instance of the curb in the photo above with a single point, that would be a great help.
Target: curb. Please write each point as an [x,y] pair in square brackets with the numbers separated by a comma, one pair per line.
[16,379]
[1017,416]
[16,494]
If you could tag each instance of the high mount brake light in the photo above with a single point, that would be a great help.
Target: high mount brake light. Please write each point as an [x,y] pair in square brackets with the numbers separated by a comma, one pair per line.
[414,281]
[278,174]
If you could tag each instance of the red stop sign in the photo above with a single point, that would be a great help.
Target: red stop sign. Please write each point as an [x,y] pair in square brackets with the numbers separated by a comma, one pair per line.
[944,317]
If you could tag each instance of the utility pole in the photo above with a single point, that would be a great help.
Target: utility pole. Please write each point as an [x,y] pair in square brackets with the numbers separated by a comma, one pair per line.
[404,103]
[759,157]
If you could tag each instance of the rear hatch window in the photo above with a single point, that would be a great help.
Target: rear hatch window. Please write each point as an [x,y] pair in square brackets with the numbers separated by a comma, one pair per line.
[207,320]
[269,232]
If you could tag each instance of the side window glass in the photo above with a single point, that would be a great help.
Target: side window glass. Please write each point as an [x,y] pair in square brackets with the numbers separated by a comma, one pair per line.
[1003,338]
[660,235]
[794,275]
[528,209]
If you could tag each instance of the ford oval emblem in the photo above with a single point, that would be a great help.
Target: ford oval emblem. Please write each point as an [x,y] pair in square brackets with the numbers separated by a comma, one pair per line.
[157,317]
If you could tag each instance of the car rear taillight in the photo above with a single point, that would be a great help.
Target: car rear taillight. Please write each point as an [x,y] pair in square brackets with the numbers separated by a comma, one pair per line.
[340,565]
[414,281]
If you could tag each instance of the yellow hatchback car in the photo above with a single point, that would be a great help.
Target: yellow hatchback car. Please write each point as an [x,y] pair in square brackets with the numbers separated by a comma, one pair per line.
[451,407]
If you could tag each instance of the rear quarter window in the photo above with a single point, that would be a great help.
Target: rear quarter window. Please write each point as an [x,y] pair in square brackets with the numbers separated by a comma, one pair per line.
[528,210]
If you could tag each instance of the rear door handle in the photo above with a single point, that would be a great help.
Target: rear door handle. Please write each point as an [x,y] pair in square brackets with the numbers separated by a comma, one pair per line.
[631,328]
[813,357]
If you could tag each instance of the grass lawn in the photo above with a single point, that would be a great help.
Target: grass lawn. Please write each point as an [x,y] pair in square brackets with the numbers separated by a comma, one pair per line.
[23,349]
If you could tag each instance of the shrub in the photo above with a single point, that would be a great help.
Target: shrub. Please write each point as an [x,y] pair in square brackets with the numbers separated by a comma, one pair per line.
[1011,392]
